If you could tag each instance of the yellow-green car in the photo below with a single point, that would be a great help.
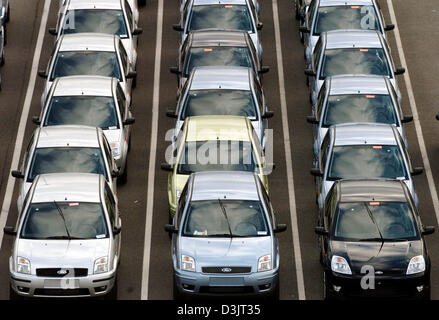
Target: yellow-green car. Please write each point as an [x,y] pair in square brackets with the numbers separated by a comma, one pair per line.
[214,143]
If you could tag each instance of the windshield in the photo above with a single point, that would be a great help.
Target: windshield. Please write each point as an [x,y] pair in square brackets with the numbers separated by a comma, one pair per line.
[95,20]
[218,56]
[65,220]
[345,17]
[82,63]
[366,162]
[375,221]
[221,155]
[355,61]
[372,108]
[82,110]
[225,218]
[220,16]
[66,159]
[219,102]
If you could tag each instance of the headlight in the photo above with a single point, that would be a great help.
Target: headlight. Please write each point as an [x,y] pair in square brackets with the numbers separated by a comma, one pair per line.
[101,265]
[23,265]
[187,263]
[340,265]
[416,265]
[264,263]
[115,149]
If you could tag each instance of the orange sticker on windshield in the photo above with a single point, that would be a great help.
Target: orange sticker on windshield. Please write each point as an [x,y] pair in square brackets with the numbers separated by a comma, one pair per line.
[377,147]
[376,203]
[364,50]
[73,204]
[369,96]
[355,7]
[228,6]
[207,50]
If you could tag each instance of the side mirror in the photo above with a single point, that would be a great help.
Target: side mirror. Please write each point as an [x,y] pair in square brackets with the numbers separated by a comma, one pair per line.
[114,174]
[316,172]
[321,231]
[312,120]
[406,119]
[52,31]
[428,230]
[129,121]
[260,26]
[17,174]
[399,71]
[417,171]
[137,31]
[170,228]
[166,166]
[174,70]
[42,74]
[310,72]
[116,230]
[267,115]
[389,27]
[9,231]
[264,69]
[131,75]
[280,228]
[36,120]
[177,27]
[171,114]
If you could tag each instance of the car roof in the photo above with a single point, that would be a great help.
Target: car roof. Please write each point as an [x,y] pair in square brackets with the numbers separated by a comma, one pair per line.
[364,134]
[358,84]
[83,85]
[62,187]
[207,2]
[372,190]
[353,39]
[71,136]
[87,41]
[226,185]
[220,78]
[212,37]
[95,4]
[327,3]
[206,128]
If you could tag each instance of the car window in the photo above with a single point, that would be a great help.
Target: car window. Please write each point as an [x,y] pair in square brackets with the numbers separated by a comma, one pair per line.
[123,56]
[121,101]
[181,204]
[110,204]
[316,53]
[324,149]
[259,95]
[28,151]
[107,152]
[129,16]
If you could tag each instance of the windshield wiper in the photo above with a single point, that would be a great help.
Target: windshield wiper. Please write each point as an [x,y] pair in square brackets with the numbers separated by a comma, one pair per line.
[63,218]
[64,238]
[370,240]
[225,215]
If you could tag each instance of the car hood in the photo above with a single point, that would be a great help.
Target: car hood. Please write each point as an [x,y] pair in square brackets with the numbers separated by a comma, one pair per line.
[225,251]
[388,257]
[62,253]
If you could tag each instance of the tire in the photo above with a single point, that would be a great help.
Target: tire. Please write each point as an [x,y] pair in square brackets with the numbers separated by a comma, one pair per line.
[8,15]
[13,295]
[296,9]
[275,294]
[112,295]
[141,3]
[2,61]
[124,177]
[5,36]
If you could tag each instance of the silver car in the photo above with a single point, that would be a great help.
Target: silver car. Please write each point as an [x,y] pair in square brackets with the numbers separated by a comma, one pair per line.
[350,52]
[232,91]
[255,3]
[362,151]
[100,16]
[224,237]
[356,98]
[60,149]
[67,239]
[220,14]
[328,15]
[92,101]
[93,54]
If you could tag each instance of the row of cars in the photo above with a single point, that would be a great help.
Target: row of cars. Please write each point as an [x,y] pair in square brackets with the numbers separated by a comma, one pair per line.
[68,232]
[369,225]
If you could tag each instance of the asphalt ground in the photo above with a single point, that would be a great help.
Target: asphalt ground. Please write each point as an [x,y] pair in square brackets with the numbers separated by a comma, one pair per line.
[418,22]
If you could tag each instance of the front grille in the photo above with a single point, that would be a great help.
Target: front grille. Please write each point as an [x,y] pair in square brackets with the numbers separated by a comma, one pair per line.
[62,292]
[226,269]
[227,289]
[58,272]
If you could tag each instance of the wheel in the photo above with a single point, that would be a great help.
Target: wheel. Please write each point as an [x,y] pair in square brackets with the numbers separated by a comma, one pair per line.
[296,9]
[112,295]
[13,295]
[141,3]
[2,59]
[5,36]
[8,15]
[275,294]
[122,179]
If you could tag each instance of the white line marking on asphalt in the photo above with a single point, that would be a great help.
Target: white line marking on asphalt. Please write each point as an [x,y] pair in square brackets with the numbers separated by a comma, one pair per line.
[408,82]
[288,160]
[152,153]
[23,119]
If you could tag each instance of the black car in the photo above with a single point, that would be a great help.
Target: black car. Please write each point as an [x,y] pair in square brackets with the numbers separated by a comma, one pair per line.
[372,243]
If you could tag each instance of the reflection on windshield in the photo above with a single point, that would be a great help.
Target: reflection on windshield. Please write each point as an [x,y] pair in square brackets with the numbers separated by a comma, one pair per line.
[355,61]
[65,159]
[219,102]
[82,221]
[97,21]
[359,108]
[375,221]
[82,110]
[220,16]
[366,162]
[225,218]
[96,63]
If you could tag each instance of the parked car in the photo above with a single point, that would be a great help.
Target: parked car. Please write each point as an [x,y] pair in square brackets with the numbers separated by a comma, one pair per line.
[224,237]
[372,228]
[60,149]
[67,239]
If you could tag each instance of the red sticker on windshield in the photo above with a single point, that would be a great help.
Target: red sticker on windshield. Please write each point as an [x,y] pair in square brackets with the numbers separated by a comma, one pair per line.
[377,147]
[73,204]
[374,203]
[369,96]
[228,6]
[207,50]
